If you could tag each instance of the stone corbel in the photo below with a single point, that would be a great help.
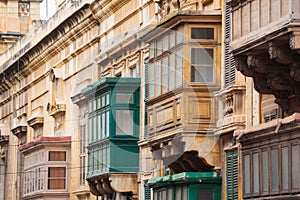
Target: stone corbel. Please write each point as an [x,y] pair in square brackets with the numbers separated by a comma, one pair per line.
[295,71]
[282,55]
[295,42]
[279,81]
[242,66]
[261,84]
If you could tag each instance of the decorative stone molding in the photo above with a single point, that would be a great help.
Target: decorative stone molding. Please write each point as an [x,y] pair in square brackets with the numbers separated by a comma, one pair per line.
[206,2]
[3,145]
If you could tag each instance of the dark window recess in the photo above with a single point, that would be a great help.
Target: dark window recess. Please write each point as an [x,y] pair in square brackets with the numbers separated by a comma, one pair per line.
[202,33]
[271,115]
[205,194]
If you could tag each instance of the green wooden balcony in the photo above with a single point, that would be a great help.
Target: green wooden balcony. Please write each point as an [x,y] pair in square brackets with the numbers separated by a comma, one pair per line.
[113,126]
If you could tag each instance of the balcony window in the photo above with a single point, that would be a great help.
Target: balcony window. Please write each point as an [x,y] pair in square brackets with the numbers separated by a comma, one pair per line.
[271,170]
[114,134]
[186,188]
[165,64]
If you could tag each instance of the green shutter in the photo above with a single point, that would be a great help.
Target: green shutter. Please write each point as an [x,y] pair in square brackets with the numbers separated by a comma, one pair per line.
[147,192]
[232,175]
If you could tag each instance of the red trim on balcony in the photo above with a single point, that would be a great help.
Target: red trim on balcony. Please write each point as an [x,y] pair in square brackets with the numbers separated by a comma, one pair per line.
[45,139]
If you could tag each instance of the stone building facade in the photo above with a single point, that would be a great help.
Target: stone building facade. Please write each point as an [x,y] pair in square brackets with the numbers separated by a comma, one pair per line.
[141,99]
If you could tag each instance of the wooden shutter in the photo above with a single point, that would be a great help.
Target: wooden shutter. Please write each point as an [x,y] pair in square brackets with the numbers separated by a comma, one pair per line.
[229,60]
[146,98]
[147,192]
[232,175]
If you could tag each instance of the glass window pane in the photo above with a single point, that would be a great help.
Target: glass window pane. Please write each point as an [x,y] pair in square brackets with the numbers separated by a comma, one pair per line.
[274,166]
[165,74]
[205,194]
[247,174]
[133,72]
[179,68]
[158,77]
[172,71]
[164,195]
[98,102]
[99,127]
[155,195]
[165,43]
[265,171]
[184,193]
[202,65]
[102,125]
[284,168]
[151,50]
[202,33]
[255,173]
[178,193]
[124,122]
[295,166]
[179,35]
[170,194]
[151,79]
[107,124]
[107,99]
[94,128]
[159,47]
[124,97]
[172,38]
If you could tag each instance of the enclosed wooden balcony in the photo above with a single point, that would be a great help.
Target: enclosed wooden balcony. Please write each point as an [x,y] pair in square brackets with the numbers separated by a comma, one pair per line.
[266,44]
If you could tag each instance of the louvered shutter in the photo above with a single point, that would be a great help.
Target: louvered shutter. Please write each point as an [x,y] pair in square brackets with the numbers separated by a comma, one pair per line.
[146,98]
[232,175]
[147,192]
[229,60]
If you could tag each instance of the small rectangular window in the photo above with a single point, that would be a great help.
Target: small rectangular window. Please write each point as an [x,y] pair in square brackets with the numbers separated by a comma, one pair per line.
[202,63]
[124,97]
[202,33]
[57,156]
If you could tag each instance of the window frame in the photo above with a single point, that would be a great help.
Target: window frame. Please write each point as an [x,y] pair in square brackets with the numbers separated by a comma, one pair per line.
[268,149]
[214,71]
